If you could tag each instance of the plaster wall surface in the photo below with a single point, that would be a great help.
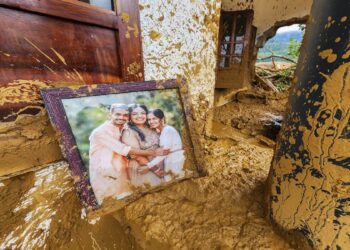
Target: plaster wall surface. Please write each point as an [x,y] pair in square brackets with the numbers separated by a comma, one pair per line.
[179,39]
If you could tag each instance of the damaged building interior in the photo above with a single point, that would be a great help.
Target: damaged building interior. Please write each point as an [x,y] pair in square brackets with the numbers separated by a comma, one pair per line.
[276,159]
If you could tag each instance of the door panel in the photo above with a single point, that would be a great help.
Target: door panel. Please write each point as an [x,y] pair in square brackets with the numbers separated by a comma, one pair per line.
[46,48]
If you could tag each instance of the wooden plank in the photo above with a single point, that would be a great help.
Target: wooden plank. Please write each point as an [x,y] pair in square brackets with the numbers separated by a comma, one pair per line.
[67,9]
[37,47]
[129,40]
[48,47]
[266,83]
[248,28]
[233,36]
[63,42]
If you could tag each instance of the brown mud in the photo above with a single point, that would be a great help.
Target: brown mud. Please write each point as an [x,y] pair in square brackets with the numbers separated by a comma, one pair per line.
[224,210]
[250,112]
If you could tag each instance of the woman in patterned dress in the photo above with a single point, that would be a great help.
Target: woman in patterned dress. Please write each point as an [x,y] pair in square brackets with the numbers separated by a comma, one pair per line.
[138,135]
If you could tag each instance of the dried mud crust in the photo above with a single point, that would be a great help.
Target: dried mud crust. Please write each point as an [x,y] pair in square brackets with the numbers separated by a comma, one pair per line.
[249,112]
[224,210]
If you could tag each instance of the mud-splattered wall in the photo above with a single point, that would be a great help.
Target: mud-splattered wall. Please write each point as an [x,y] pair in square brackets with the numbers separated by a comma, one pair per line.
[268,13]
[179,39]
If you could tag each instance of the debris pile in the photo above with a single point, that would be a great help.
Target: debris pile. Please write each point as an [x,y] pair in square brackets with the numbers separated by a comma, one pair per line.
[275,76]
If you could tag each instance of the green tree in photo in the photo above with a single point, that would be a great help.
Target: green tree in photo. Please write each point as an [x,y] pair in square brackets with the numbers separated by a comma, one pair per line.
[169,102]
[83,124]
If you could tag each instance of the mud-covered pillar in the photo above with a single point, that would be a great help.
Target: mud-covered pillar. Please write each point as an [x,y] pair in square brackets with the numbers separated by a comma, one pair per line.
[309,183]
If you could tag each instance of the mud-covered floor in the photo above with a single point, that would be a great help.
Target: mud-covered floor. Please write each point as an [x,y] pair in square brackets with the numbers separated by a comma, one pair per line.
[225,210]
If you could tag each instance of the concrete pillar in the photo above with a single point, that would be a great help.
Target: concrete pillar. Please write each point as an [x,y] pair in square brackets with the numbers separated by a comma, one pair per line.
[309,183]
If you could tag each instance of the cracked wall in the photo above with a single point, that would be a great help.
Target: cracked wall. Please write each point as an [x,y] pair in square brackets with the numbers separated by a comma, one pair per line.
[268,13]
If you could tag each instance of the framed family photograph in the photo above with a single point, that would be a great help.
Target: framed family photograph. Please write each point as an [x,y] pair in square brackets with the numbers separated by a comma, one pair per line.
[122,140]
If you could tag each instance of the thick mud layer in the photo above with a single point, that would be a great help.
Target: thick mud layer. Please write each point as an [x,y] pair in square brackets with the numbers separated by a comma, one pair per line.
[41,211]
[253,113]
[224,210]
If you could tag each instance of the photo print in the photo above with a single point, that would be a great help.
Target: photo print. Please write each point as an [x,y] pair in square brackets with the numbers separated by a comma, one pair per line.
[122,140]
